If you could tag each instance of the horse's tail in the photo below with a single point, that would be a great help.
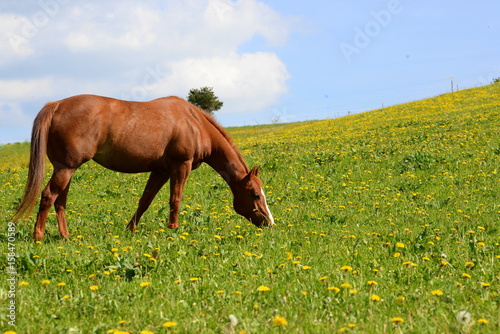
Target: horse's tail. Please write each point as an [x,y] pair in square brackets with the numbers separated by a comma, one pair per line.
[39,138]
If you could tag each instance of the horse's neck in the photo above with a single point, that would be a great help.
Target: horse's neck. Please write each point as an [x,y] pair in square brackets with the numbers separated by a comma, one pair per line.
[226,161]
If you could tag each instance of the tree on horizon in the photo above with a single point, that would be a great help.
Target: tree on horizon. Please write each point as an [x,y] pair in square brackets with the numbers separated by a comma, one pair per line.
[205,99]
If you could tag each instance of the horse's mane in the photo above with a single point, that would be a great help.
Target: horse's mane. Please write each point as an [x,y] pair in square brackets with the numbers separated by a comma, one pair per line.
[226,136]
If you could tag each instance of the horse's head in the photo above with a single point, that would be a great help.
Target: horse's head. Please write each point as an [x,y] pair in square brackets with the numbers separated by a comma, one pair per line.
[250,201]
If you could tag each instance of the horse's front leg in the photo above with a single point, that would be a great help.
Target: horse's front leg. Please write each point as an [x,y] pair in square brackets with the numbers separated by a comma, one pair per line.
[178,179]
[155,182]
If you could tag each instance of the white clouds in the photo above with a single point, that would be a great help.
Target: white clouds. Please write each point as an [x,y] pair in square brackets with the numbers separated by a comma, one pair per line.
[100,28]
[23,90]
[14,44]
[244,19]
[13,116]
[246,81]
[142,50]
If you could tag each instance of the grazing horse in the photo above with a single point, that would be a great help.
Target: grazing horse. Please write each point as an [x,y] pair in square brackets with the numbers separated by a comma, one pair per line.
[168,137]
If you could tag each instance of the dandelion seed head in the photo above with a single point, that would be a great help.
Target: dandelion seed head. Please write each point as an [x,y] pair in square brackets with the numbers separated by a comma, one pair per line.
[233,320]
[463,317]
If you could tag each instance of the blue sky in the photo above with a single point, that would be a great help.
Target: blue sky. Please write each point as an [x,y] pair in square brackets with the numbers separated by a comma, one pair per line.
[268,61]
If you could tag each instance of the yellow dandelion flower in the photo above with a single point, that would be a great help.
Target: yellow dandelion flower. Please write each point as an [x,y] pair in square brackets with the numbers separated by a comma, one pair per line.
[345,285]
[334,289]
[61,284]
[322,278]
[400,245]
[372,283]
[23,283]
[375,298]
[45,282]
[144,284]
[145,332]
[485,285]
[346,268]
[65,297]
[306,267]
[94,287]
[263,288]
[353,292]
[170,324]
[483,321]
[397,254]
[400,300]
[436,292]
[397,320]
[465,275]
[194,279]
[280,321]
[469,264]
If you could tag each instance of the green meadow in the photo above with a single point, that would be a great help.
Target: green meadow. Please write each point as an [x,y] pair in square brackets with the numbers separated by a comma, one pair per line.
[386,222]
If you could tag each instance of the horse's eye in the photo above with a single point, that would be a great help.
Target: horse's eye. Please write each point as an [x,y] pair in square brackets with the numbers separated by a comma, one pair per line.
[255,197]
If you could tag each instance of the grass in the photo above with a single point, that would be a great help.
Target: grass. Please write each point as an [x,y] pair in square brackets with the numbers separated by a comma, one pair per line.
[387,221]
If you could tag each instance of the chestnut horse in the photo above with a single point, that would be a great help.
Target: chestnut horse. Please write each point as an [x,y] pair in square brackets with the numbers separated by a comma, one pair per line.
[168,137]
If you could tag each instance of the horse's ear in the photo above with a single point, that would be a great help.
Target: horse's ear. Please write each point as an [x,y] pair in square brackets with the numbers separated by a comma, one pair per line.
[255,171]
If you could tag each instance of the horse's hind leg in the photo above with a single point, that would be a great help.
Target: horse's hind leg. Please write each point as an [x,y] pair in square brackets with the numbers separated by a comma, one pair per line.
[57,185]
[60,206]
[155,182]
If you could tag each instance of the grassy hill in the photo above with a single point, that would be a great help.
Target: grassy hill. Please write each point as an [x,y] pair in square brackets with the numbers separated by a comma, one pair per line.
[387,221]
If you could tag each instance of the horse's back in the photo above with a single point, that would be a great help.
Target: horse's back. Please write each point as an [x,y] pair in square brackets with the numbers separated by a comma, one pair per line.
[125,135]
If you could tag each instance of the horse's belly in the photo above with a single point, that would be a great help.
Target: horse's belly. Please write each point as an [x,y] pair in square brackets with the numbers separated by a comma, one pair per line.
[130,161]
